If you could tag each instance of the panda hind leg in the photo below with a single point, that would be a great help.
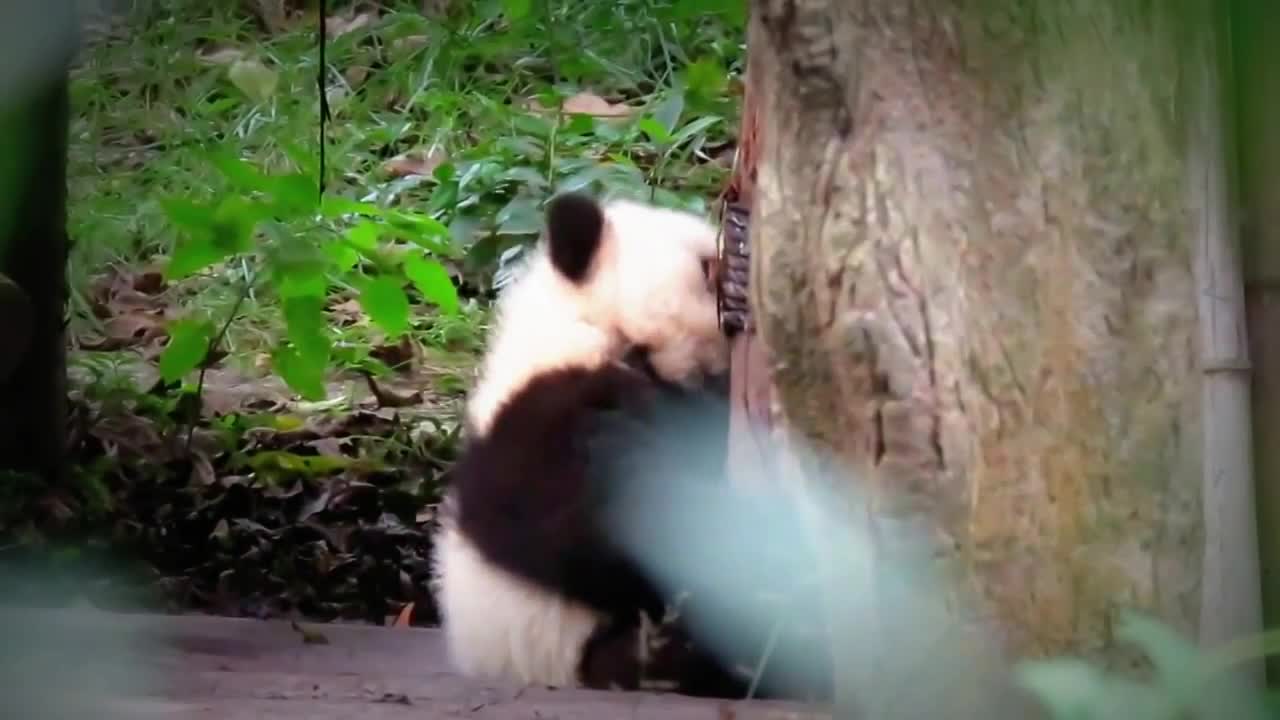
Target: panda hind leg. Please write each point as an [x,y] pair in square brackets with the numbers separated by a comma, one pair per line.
[660,658]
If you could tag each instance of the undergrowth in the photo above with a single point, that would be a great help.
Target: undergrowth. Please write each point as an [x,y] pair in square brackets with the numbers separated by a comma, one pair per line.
[267,377]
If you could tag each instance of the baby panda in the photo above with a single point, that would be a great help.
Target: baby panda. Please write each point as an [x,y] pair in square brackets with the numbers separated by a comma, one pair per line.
[608,334]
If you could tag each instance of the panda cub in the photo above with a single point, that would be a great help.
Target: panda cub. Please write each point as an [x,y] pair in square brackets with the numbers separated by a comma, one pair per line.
[608,334]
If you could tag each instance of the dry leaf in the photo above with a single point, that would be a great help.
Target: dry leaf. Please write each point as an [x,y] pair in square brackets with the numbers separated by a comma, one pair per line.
[219,55]
[408,44]
[406,613]
[586,103]
[415,162]
[338,26]
[356,75]
[273,13]
[310,637]
[330,446]
[387,398]
[398,355]
[253,79]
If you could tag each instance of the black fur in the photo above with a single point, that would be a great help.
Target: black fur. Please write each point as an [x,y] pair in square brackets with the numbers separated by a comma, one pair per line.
[575,229]
[539,496]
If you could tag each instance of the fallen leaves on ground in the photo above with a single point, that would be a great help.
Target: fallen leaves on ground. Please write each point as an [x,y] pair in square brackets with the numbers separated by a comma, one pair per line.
[270,507]
[132,308]
[415,162]
[281,516]
[587,103]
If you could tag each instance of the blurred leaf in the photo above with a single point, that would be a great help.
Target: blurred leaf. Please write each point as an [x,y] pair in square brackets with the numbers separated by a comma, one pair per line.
[655,130]
[334,206]
[253,79]
[212,233]
[694,128]
[188,344]
[296,194]
[516,9]
[520,216]
[306,325]
[433,281]
[300,372]
[296,264]
[238,172]
[423,231]
[342,255]
[706,79]
[667,113]
[1177,661]
[385,302]
[364,235]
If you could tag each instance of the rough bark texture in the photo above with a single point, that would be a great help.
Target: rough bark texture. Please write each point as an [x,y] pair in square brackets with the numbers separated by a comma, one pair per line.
[973,272]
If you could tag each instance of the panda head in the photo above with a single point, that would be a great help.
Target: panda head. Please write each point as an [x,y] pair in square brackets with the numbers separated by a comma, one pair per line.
[606,279]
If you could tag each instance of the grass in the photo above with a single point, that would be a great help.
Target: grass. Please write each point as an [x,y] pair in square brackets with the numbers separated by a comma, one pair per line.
[155,97]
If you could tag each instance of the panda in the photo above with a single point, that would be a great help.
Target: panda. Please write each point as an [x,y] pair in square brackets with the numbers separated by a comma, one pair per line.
[608,333]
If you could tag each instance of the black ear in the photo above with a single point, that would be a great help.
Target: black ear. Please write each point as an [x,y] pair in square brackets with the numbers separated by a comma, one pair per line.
[575,227]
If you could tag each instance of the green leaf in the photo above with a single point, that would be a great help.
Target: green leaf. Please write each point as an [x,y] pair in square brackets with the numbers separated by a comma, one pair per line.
[1179,666]
[387,305]
[190,255]
[516,9]
[296,194]
[212,234]
[433,281]
[253,79]
[296,264]
[188,215]
[342,255]
[526,175]
[706,78]
[188,345]
[234,221]
[334,206]
[586,177]
[423,231]
[654,129]
[364,235]
[238,172]
[299,371]
[306,325]
[294,463]
[693,128]
[667,113]
[521,216]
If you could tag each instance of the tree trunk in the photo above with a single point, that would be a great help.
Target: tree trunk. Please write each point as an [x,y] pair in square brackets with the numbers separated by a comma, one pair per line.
[33,246]
[973,236]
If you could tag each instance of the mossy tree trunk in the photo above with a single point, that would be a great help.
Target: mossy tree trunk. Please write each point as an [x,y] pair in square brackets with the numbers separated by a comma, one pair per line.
[974,230]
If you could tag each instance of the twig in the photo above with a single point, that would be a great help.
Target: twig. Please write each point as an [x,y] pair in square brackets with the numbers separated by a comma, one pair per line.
[213,346]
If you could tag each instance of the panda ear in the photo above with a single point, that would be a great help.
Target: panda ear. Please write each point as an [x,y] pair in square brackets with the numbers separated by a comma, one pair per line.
[575,228]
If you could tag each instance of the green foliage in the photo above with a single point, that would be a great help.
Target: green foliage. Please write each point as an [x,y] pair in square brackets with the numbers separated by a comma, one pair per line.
[188,345]
[1185,685]
[229,152]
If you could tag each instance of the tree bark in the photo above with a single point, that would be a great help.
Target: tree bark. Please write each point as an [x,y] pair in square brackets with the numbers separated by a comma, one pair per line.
[973,271]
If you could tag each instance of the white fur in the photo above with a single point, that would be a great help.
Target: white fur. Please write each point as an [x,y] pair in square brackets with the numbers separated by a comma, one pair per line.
[499,627]
[646,285]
